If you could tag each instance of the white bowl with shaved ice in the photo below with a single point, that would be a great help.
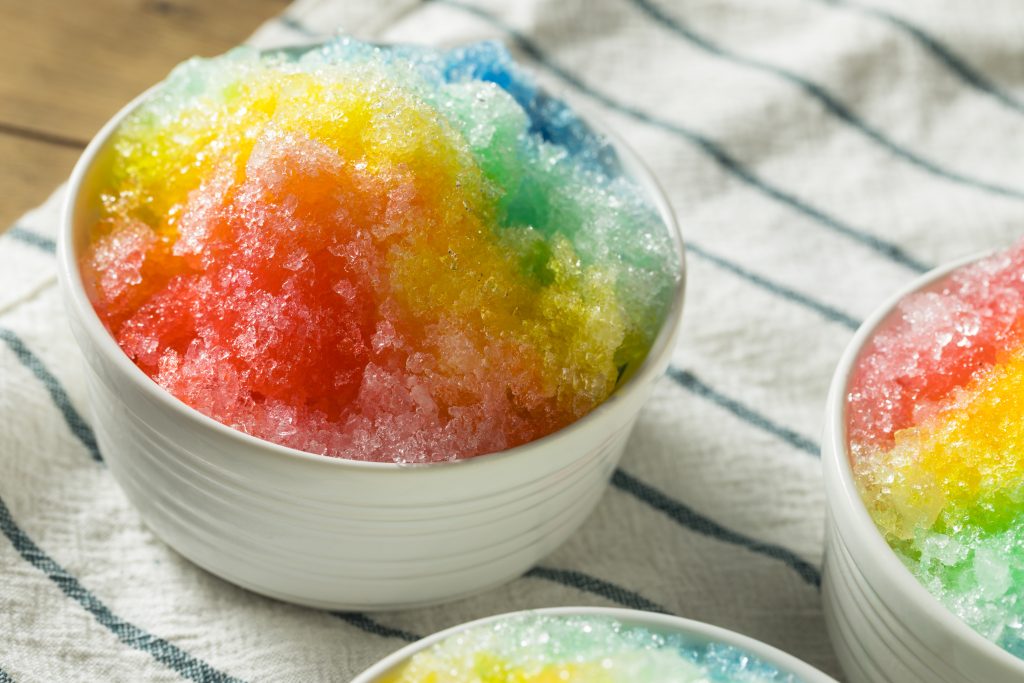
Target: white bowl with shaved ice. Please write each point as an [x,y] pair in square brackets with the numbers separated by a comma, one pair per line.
[388,488]
[914,588]
[589,645]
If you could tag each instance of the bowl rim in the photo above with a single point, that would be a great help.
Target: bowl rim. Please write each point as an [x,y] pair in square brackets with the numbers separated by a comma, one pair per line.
[841,490]
[79,306]
[786,662]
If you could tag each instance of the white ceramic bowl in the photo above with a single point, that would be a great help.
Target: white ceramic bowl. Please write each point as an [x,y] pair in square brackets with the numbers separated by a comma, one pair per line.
[883,623]
[696,632]
[333,533]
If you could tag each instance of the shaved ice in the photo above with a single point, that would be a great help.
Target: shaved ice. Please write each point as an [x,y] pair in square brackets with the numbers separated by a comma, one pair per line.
[392,254]
[935,417]
[579,649]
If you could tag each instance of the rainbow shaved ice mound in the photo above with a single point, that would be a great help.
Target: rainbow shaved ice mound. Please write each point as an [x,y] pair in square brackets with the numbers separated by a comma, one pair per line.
[393,254]
[579,649]
[936,428]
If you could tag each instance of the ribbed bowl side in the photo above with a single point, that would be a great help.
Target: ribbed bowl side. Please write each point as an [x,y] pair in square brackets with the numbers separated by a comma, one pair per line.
[872,642]
[881,635]
[324,556]
[335,533]
[885,626]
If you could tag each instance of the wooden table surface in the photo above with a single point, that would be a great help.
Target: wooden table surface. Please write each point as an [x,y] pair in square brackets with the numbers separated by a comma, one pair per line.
[67,66]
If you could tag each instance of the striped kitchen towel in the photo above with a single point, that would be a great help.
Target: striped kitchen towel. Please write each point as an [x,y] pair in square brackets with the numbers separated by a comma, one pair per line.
[819,154]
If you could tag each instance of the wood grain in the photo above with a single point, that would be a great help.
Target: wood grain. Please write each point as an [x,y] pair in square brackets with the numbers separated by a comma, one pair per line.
[66,67]
[29,173]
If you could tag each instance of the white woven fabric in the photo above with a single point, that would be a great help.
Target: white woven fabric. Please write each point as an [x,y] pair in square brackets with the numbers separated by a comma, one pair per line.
[818,154]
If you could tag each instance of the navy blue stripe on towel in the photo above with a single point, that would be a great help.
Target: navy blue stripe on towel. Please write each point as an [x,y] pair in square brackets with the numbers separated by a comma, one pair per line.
[297,26]
[831,104]
[793,296]
[365,623]
[946,56]
[595,586]
[689,381]
[6,677]
[566,577]
[166,653]
[33,239]
[691,519]
[78,426]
